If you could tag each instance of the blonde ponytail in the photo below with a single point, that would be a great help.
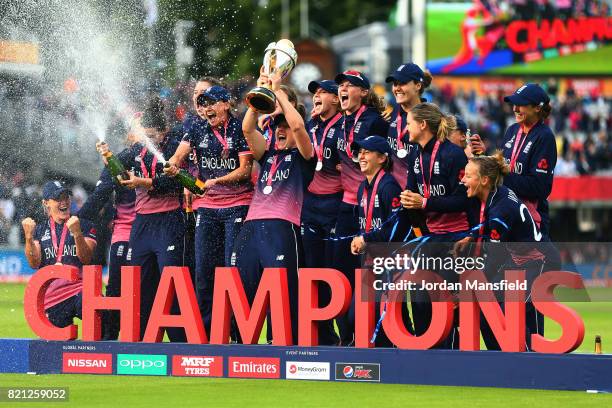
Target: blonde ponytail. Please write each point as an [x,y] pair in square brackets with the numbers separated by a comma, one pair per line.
[494,167]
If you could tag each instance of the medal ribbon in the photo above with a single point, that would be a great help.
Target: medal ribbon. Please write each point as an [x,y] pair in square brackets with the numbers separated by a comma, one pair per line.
[370,203]
[426,187]
[319,147]
[400,132]
[518,146]
[273,168]
[222,139]
[351,133]
[143,167]
[57,247]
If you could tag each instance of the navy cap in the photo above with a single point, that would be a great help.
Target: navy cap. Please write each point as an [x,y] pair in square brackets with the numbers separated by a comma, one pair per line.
[53,189]
[406,73]
[461,125]
[354,77]
[373,143]
[528,94]
[326,85]
[215,93]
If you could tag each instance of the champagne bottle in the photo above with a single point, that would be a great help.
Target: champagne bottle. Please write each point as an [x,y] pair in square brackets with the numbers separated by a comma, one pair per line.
[597,344]
[115,167]
[193,184]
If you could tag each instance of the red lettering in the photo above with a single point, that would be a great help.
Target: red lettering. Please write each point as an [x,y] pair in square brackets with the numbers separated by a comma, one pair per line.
[34,306]
[441,320]
[509,330]
[364,308]
[128,303]
[229,297]
[309,311]
[175,279]
[571,324]
[512,34]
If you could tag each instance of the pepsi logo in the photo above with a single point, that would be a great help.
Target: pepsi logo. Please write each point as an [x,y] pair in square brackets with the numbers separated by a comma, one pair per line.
[348,371]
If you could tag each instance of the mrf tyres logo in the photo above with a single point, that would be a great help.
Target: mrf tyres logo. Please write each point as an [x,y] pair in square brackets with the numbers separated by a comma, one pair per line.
[254,367]
[142,364]
[197,366]
[357,372]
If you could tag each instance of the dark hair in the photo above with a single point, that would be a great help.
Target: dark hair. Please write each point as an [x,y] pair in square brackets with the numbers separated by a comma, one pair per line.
[544,111]
[494,167]
[153,115]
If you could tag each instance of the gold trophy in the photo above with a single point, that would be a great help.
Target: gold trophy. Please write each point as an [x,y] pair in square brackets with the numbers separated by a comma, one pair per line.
[280,57]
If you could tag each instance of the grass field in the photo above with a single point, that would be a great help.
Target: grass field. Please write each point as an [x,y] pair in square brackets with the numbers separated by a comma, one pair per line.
[102,391]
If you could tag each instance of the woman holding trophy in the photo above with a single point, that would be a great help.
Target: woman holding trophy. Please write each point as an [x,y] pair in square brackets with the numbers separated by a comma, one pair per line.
[270,236]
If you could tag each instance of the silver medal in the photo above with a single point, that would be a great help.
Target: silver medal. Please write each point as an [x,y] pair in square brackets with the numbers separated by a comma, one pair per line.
[319,166]
[401,153]
[267,190]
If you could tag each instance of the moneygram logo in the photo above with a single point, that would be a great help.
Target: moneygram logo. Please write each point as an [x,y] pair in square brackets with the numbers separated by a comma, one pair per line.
[197,366]
[357,372]
[306,370]
[254,367]
[87,363]
[142,364]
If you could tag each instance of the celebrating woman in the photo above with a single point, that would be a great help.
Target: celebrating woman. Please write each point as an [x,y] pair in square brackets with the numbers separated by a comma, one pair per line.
[270,236]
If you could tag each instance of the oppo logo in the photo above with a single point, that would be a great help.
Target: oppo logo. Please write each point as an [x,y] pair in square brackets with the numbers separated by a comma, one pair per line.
[144,364]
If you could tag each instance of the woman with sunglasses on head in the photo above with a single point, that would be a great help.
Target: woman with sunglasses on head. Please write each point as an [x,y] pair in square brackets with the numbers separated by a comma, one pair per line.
[324,195]
[361,117]
[224,162]
[270,237]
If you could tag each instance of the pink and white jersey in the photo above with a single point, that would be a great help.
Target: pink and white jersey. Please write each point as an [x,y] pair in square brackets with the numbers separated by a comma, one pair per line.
[357,126]
[283,179]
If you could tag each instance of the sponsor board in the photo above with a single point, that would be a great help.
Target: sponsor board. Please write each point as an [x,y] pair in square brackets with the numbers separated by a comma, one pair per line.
[87,363]
[197,366]
[357,372]
[142,364]
[307,370]
[253,367]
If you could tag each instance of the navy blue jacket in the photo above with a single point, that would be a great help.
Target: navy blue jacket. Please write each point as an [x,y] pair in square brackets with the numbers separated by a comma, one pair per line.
[386,203]
[532,176]
[446,207]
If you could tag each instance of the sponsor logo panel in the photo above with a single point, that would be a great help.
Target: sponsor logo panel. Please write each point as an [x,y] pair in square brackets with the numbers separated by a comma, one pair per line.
[357,372]
[142,364]
[254,367]
[87,363]
[307,370]
[197,366]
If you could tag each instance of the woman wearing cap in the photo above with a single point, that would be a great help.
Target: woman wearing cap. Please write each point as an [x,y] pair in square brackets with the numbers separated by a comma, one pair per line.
[125,212]
[378,198]
[458,134]
[530,148]
[504,218]
[361,118]
[157,236]
[63,239]
[225,162]
[433,186]
[409,82]
[270,236]
[324,195]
